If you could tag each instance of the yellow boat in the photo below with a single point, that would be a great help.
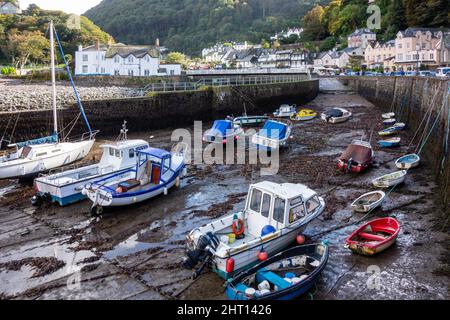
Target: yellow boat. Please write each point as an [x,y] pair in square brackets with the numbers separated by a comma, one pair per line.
[304,115]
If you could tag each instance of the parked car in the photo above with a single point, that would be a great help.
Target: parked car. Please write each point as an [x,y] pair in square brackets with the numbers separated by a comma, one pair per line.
[410,73]
[426,73]
[442,72]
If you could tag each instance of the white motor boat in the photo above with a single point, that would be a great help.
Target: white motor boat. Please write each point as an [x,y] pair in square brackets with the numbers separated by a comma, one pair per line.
[336,115]
[274,215]
[65,187]
[273,135]
[39,155]
[285,111]
[155,172]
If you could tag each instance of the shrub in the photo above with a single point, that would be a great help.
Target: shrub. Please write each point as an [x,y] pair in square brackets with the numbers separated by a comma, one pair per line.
[8,71]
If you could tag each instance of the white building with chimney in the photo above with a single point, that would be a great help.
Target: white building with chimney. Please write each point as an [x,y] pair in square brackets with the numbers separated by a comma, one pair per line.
[122,60]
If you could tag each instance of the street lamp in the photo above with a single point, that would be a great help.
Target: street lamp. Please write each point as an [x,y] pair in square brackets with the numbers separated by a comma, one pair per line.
[418,62]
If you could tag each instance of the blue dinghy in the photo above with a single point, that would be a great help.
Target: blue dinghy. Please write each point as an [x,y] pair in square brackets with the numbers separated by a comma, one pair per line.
[285,276]
[390,142]
[223,131]
[407,162]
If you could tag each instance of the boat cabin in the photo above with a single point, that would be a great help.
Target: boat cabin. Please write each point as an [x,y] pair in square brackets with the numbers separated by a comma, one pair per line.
[153,166]
[278,205]
[122,154]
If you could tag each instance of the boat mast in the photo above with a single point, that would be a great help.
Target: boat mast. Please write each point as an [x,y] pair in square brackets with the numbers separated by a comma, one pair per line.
[52,63]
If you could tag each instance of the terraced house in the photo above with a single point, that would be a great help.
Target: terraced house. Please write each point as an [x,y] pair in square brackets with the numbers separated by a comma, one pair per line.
[122,60]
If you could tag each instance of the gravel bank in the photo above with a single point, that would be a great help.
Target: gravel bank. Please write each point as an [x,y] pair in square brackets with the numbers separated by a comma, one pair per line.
[21,96]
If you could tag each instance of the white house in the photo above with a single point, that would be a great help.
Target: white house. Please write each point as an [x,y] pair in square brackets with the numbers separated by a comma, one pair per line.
[10,7]
[286,34]
[361,38]
[122,60]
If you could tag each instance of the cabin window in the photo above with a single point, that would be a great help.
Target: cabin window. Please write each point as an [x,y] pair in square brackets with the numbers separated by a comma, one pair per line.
[57,150]
[111,151]
[278,210]
[117,153]
[255,201]
[265,205]
[41,154]
[166,165]
[131,155]
[312,204]
[296,213]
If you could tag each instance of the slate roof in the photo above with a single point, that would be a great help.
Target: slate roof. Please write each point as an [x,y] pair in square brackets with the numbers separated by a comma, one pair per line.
[359,32]
[126,50]
[411,32]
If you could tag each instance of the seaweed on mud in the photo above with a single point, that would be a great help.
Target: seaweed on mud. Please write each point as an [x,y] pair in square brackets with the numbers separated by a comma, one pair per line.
[42,265]
[218,209]
[89,260]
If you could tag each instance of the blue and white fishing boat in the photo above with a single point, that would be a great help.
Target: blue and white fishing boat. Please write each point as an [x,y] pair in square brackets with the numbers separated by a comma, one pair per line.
[399,126]
[274,215]
[223,131]
[32,157]
[388,131]
[285,276]
[65,187]
[389,122]
[408,162]
[154,173]
[390,142]
[273,135]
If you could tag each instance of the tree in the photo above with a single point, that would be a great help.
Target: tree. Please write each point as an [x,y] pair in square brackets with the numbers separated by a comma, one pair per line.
[312,22]
[265,44]
[27,46]
[177,58]
[328,44]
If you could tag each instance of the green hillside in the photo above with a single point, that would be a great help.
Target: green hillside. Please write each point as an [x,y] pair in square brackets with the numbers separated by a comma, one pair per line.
[190,25]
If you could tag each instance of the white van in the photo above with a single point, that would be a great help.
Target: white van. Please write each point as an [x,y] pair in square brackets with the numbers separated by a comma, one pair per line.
[443,72]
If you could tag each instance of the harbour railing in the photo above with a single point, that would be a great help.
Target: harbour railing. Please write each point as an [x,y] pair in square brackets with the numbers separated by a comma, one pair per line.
[221,82]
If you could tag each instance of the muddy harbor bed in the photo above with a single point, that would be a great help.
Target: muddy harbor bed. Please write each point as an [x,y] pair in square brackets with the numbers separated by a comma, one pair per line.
[136,252]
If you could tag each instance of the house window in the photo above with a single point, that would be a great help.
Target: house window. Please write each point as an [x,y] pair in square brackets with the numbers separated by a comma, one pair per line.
[424,45]
[146,73]
[408,57]
[116,72]
[103,70]
[407,45]
[399,45]
[400,57]
[85,69]
[431,56]
[96,69]
[130,59]
[172,72]
[130,72]
[116,59]
[85,57]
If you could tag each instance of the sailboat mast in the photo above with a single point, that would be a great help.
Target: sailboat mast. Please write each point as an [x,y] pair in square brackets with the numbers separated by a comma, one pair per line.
[52,63]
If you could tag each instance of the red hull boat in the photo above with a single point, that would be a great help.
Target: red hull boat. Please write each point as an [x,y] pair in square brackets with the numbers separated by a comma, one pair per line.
[356,158]
[374,237]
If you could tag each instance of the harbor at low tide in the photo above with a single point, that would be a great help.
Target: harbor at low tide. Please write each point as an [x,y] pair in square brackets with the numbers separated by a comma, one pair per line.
[136,252]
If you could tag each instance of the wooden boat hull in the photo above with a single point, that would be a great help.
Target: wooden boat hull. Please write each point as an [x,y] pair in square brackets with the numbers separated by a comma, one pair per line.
[374,236]
[236,290]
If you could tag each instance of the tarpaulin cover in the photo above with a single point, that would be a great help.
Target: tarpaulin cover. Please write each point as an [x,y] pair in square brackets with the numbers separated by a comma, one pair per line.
[49,139]
[221,126]
[273,130]
[357,153]
[334,113]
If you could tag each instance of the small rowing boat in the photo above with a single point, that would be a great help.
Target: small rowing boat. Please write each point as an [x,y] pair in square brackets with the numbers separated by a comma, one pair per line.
[390,142]
[368,202]
[387,132]
[336,115]
[390,179]
[408,162]
[399,125]
[304,115]
[374,236]
[284,276]
[246,120]
[389,122]
[388,115]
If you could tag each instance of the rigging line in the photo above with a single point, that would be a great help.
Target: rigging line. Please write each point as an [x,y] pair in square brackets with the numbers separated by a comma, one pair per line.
[80,105]
[444,103]
[73,126]
[6,128]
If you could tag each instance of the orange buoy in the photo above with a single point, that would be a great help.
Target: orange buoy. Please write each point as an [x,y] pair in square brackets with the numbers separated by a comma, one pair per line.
[300,239]
[263,255]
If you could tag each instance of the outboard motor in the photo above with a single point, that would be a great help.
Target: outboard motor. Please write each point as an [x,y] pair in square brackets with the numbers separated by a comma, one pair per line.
[200,253]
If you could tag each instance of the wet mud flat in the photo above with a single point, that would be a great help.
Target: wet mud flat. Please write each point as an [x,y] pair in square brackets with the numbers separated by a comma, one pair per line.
[136,252]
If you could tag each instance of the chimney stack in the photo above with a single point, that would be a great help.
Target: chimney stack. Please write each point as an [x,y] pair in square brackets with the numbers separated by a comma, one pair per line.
[97,44]
[80,48]
[157,42]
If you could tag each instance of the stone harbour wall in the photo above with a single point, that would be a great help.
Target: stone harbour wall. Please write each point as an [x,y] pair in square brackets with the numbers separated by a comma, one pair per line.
[162,110]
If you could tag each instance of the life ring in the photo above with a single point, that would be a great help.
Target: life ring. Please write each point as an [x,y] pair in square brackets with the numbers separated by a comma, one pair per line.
[241,227]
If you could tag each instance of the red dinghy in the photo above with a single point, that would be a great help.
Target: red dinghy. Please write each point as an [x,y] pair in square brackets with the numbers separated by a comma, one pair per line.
[374,237]
[357,158]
